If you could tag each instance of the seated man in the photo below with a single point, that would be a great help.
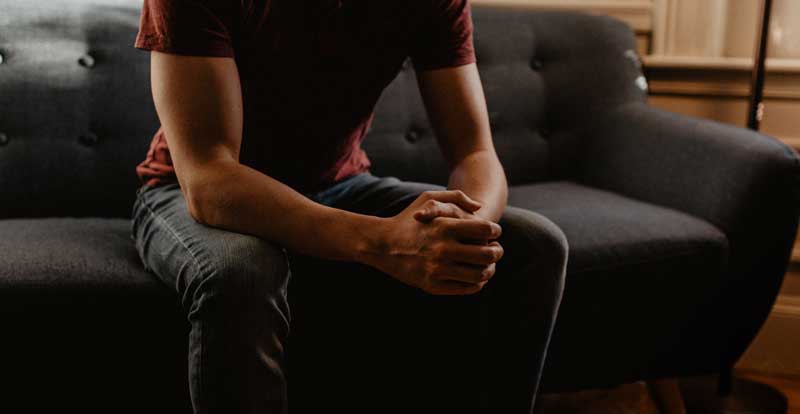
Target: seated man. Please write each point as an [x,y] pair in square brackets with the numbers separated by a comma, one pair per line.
[263,106]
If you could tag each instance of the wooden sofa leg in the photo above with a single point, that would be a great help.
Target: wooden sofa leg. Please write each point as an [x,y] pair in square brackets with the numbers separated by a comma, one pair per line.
[667,396]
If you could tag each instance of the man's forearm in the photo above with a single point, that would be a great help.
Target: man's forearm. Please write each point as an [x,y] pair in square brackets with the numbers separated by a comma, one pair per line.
[238,198]
[481,177]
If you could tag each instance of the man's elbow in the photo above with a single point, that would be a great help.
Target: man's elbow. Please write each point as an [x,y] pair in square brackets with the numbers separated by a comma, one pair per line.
[203,202]
[197,203]
[208,194]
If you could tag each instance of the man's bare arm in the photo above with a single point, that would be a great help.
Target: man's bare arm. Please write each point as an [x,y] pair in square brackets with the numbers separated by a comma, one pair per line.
[199,103]
[457,108]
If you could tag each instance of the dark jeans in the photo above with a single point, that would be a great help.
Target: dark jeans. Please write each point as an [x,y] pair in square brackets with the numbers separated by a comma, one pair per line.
[395,348]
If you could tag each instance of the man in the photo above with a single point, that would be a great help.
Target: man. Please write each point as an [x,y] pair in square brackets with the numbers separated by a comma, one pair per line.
[263,105]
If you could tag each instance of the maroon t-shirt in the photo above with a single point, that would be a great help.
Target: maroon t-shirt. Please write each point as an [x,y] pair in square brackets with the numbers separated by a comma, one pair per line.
[311,72]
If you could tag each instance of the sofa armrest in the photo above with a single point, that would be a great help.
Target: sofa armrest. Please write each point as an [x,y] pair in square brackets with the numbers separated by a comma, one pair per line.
[745,183]
[726,175]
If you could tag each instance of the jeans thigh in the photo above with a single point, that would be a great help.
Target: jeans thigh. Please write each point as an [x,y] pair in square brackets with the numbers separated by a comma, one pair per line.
[162,229]
[182,252]
[378,196]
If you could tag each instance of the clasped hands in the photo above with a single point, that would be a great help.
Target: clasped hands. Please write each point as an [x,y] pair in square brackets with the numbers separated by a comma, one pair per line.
[438,244]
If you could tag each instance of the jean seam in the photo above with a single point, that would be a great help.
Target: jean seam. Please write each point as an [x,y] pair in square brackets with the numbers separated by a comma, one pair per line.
[197,266]
[174,235]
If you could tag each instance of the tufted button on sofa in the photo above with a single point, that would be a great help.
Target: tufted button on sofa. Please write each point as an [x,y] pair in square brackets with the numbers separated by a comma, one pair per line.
[679,229]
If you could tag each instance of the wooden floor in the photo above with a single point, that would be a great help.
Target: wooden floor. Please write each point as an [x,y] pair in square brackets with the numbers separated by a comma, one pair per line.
[635,399]
[626,399]
[790,387]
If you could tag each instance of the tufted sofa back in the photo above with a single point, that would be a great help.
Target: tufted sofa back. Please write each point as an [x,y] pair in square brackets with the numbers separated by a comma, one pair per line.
[76,112]
[547,76]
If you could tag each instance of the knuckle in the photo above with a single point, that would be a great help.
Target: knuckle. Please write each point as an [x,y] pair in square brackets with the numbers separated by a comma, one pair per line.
[497,254]
[429,271]
[437,253]
[455,211]
[487,273]
[434,270]
[442,228]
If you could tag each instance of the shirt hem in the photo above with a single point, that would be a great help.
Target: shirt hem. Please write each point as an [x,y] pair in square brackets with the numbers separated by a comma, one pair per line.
[159,43]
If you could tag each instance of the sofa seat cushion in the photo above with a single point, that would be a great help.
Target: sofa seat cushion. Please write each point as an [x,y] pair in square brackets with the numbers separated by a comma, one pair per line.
[72,255]
[608,231]
[81,309]
[640,280]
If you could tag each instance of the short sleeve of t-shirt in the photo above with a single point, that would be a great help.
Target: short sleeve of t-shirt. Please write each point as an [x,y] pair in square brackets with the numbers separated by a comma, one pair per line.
[445,39]
[187,27]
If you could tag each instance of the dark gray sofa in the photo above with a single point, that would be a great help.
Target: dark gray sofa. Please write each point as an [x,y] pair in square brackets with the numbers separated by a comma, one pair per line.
[679,229]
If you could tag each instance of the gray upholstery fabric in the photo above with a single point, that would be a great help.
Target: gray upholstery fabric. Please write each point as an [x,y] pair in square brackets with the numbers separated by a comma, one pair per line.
[85,327]
[718,172]
[76,107]
[536,67]
[71,255]
[744,183]
[608,232]
[637,273]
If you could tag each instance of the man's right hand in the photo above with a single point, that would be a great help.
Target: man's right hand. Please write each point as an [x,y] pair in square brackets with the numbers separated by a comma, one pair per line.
[442,256]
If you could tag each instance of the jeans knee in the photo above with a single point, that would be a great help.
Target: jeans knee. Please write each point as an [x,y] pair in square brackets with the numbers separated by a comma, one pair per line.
[252,268]
[241,273]
[532,240]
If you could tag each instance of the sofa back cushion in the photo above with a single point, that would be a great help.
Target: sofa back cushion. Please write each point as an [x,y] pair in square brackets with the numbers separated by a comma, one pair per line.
[546,75]
[77,113]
